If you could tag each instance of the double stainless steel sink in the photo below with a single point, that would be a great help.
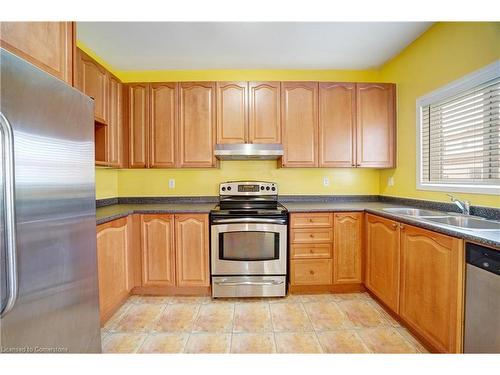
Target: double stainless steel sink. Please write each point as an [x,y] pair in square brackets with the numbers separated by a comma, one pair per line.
[469,222]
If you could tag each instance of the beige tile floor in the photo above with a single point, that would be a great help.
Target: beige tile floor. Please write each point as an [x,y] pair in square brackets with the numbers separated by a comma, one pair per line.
[322,323]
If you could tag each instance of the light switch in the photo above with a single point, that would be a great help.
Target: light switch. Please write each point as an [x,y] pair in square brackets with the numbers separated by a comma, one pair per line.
[326,181]
[171,183]
[390,181]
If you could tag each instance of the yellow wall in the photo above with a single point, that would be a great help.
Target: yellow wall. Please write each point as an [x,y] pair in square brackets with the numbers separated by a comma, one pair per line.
[446,52]
[154,182]
[106,183]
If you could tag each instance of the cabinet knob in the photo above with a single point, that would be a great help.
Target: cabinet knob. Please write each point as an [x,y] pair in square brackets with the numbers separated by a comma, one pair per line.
[395,226]
[401,226]
[311,235]
[311,272]
[310,220]
[311,251]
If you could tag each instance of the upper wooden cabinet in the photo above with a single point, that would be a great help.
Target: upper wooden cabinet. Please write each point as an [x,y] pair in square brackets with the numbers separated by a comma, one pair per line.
[376,130]
[138,124]
[347,237]
[48,45]
[112,266]
[115,124]
[432,271]
[232,114]
[92,80]
[299,107]
[158,251]
[191,241]
[163,125]
[197,124]
[264,119]
[337,124]
[382,259]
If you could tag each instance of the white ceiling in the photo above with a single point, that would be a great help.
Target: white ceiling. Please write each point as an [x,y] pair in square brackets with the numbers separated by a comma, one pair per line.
[247,45]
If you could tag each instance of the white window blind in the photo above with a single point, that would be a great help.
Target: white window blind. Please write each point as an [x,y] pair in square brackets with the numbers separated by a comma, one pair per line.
[460,138]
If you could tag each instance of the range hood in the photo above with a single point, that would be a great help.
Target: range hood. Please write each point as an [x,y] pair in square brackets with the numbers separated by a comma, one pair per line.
[248,151]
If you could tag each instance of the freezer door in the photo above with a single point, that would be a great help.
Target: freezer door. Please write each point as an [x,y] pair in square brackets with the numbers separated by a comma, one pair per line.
[53,129]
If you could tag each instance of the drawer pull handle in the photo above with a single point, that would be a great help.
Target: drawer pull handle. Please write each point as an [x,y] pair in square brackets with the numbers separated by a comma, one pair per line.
[311,272]
[311,220]
[311,251]
[311,235]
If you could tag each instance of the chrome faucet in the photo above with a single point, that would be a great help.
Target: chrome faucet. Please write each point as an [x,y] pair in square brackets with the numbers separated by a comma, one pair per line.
[463,205]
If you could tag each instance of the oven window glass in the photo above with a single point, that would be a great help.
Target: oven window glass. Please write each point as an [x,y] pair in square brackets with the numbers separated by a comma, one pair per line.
[249,246]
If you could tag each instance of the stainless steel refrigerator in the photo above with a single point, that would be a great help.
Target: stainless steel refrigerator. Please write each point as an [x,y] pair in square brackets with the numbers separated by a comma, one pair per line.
[49,288]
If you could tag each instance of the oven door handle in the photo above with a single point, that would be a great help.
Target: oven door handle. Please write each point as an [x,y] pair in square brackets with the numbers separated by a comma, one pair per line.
[248,220]
[236,283]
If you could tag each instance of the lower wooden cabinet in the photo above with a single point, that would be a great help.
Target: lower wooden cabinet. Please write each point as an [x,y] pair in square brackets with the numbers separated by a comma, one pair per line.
[311,272]
[347,244]
[382,259]
[175,250]
[112,266]
[191,249]
[432,269]
[158,250]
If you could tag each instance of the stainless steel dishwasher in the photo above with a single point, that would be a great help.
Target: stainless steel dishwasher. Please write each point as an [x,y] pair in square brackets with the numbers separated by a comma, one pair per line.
[482,300]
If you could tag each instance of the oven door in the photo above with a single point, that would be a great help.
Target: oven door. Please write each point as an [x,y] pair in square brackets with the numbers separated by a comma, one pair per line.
[249,249]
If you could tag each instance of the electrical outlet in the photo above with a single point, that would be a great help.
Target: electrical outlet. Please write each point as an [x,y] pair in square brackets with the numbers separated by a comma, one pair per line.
[171,183]
[390,181]
[326,181]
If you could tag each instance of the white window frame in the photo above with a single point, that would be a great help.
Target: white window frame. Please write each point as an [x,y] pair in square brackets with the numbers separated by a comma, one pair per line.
[467,82]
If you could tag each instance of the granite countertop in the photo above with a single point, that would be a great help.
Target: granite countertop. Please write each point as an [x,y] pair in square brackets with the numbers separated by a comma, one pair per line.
[487,238]
[116,211]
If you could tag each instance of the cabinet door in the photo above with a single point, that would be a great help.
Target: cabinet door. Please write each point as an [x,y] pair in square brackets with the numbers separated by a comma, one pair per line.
[432,268]
[232,113]
[115,123]
[93,81]
[163,125]
[158,259]
[191,241]
[48,45]
[264,124]
[196,124]
[112,266]
[337,124]
[347,247]
[138,117]
[382,259]
[376,130]
[300,124]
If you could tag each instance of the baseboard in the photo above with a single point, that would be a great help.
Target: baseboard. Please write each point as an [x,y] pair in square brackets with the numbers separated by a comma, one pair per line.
[172,290]
[314,289]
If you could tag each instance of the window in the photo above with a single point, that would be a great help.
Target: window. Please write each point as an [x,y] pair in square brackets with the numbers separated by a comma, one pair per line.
[458,133]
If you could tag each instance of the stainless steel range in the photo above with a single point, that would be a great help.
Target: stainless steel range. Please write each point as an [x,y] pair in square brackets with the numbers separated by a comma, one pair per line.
[249,229]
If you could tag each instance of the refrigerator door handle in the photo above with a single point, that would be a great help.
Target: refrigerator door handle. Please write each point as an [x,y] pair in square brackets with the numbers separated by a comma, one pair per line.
[10,215]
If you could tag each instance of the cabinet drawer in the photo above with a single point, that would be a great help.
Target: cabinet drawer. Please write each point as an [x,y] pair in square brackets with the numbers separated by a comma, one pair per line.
[311,235]
[312,220]
[314,251]
[311,272]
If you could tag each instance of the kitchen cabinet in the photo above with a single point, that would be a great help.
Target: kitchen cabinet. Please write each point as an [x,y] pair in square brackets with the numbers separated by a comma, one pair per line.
[115,124]
[264,108]
[163,126]
[376,130]
[158,250]
[192,254]
[47,45]
[197,125]
[112,266]
[347,255]
[383,259]
[311,239]
[92,80]
[232,112]
[337,124]
[299,106]
[138,124]
[432,271]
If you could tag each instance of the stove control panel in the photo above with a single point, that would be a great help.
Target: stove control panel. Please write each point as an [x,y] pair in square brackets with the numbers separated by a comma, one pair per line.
[248,188]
